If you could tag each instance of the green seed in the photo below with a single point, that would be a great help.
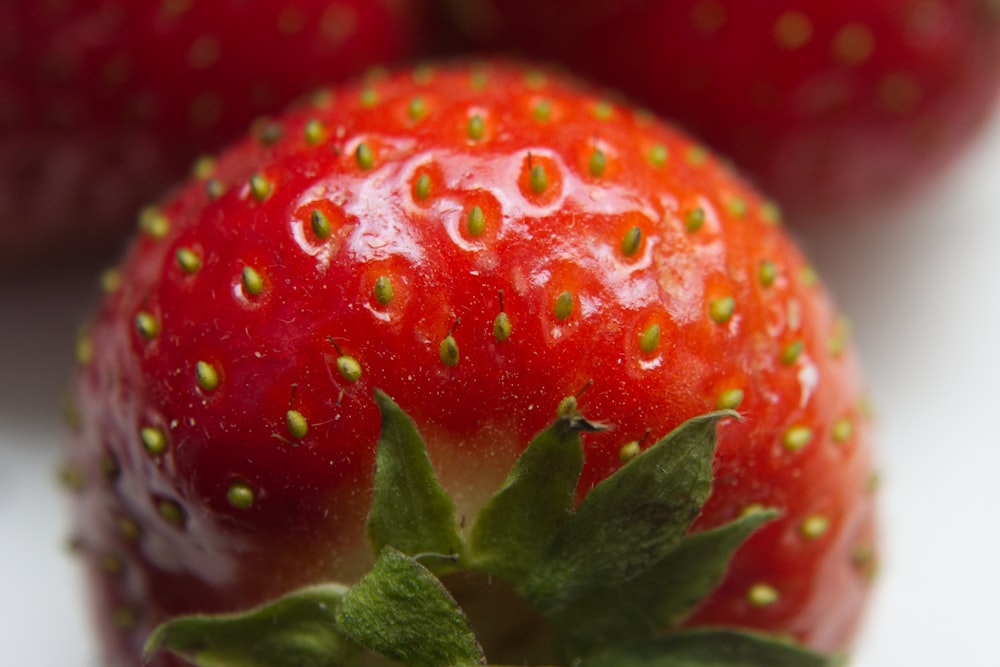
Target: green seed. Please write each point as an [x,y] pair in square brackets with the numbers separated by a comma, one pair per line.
[694,219]
[203,167]
[730,399]
[253,284]
[770,213]
[598,163]
[564,305]
[314,132]
[171,511]
[188,260]
[383,290]
[767,273]
[260,187]
[364,156]
[538,179]
[111,280]
[240,495]
[320,224]
[206,375]
[153,440]
[603,111]
[658,155]
[296,424]
[721,310]
[737,207]
[632,241]
[542,111]
[502,327]
[423,187]
[796,438]
[650,339]
[448,351]
[349,368]
[792,352]
[476,222]
[843,429]
[808,276]
[369,98]
[146,325]
[270,133]
[214,188]
[475,129]
[696,155]
[417,108]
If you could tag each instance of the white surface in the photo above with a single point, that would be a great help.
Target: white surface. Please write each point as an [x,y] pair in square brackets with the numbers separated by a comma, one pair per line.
[922,289]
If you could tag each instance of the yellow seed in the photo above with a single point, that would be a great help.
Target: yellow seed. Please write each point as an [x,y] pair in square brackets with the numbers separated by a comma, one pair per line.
[629,451]
[796,437]
[253,284]
[695,219]
[188,260]
[721,310]
[842,430]
[730,399]
[762,595]
[475,129]
[417,108]
[423,187]
[240,495]
[297,424]
[598,163]
[791,353]
[815,526]
[658,155]
[502,327]
[383,290]
[146,325]
[153,440]
[538,179]
[206,375]
[260,187]
[349,368]
[767,273]
[364,156]
[448,351]
[153,222]
[314,132]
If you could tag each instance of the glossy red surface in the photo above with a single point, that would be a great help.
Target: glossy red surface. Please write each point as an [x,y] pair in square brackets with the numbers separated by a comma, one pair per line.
[277,350]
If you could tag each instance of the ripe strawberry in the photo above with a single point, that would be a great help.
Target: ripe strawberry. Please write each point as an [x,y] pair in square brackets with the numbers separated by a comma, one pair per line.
[104,104]
[829,105]
[477,243]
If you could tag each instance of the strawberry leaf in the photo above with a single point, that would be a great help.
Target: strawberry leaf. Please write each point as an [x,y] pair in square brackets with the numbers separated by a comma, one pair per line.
[663,595]
[709,648]
[298,630]
[411,510]
[630,521]
[514,528]
[403,612]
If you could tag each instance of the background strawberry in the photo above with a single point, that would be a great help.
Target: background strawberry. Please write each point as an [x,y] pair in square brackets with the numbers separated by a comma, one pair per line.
[478,242]
[104,103]
[830,106]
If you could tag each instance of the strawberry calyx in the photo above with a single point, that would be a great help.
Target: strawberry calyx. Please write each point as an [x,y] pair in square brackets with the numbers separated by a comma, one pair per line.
[610,575]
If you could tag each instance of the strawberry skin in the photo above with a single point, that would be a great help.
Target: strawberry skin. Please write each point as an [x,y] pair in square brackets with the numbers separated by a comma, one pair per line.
[831,106]
[103,105]
[478,242]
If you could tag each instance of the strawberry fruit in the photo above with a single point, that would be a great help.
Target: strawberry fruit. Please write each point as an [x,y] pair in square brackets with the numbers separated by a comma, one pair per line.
[104,104]
[499,257]
[830,105]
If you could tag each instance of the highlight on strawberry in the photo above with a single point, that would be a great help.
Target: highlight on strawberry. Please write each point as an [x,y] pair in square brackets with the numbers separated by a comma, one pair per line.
[469,364]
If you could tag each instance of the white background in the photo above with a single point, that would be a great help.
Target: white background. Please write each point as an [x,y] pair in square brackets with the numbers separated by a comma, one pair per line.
[922,285]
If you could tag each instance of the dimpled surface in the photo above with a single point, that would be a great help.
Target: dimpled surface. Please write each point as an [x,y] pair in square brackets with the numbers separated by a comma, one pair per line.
[263,477]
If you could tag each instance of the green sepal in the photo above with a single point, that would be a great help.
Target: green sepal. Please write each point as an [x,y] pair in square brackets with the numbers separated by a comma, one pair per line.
[630,521]
[297,630]
[411,510]
[516,525]
[709,648]
[403,612]
[662,596]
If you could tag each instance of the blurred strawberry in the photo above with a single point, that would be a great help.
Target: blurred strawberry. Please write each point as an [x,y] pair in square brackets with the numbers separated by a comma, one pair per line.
[104,103]
[830,105]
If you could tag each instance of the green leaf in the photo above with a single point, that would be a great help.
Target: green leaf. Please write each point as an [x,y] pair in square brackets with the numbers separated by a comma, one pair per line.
[629,521]
[709,648]
[663,595]
[297,630]
[403,612]
[516,526]
[411,510]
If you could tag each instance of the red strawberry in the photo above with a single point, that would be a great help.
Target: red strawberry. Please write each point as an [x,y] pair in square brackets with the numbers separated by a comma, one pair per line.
[831,105]
[477,243]
[105,103]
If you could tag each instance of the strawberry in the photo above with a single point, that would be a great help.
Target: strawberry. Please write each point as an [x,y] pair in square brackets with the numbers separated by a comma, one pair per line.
[105,103]
[830,105]
[499,257]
